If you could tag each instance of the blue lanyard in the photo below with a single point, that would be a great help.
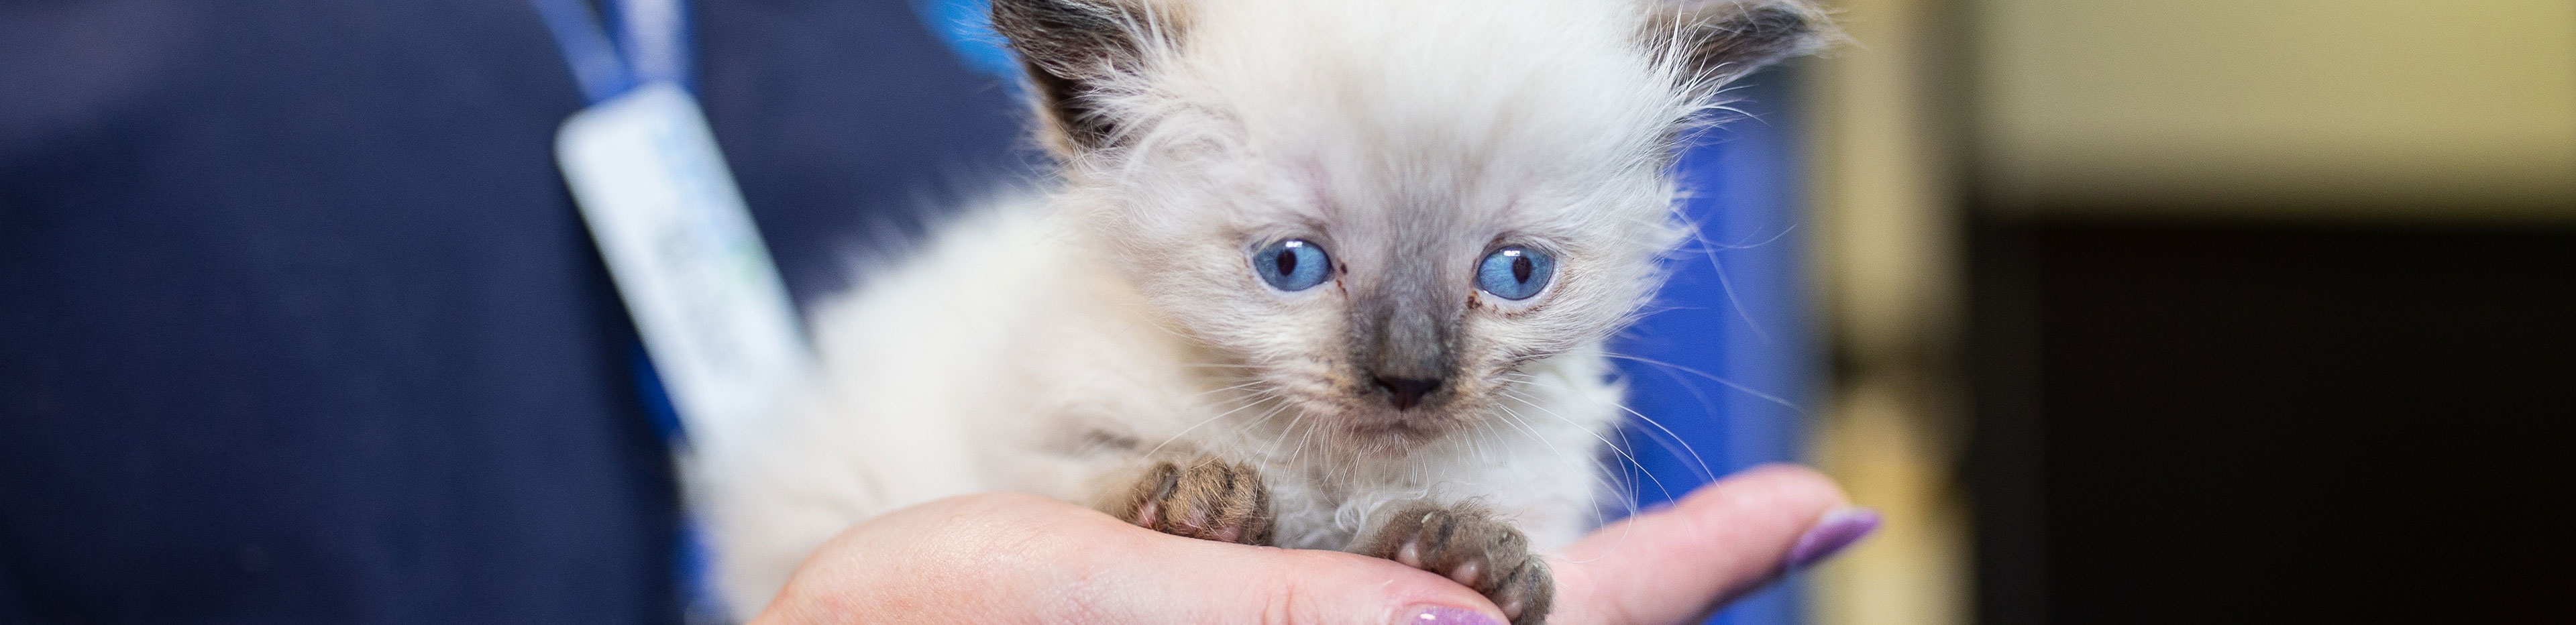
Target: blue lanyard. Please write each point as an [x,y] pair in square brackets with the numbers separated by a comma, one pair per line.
[650,43]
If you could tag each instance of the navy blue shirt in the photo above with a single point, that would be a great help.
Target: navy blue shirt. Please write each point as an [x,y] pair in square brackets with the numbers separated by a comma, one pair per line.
[298,323]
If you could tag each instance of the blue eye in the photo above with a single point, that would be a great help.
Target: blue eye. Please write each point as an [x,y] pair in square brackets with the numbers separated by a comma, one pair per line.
[1514,272]
[1292,265]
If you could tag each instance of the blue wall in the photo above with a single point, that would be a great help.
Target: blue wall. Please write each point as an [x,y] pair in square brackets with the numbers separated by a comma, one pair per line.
[1726,362]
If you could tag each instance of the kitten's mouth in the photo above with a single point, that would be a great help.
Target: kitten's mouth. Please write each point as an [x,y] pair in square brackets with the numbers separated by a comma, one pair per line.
[1396,433]
[1400,419]
[1376,414]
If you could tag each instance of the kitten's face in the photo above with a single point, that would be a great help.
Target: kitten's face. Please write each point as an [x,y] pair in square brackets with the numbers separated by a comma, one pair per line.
[1392,307]
[1378,214]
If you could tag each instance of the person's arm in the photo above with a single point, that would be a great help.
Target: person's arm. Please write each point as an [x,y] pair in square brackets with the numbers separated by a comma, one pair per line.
[1001,558]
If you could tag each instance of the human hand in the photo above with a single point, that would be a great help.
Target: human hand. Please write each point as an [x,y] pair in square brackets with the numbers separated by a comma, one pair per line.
[1007,558]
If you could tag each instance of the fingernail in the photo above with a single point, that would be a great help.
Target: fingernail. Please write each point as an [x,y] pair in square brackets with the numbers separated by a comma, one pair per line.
[1837,531]
[1445,615]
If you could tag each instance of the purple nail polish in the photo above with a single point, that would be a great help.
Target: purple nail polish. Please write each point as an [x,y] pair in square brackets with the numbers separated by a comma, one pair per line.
[1445,615]
[1838,530]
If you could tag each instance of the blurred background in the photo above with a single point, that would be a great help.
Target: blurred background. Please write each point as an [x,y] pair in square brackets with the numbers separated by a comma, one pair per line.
[2120,310]
[2198,310]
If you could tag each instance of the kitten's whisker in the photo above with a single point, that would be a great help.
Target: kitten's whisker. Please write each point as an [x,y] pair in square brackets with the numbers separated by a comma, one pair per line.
[1708,408]
[1729,383]
[1605,441]
[1606,481]
[1299,450]
[1221,390]
[1518,420]
[1700,464]
[1765,242]
[1265,418]
[1185,431]
[1725,286]
[1490,432]
[1600,478]
[1284,433]
[1626,531]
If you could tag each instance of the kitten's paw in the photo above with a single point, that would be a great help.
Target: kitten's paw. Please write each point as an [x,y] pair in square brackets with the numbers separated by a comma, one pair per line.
[1208,499]
[1467,543]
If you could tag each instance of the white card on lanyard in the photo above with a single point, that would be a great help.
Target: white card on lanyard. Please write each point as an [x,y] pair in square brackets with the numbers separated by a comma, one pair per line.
[686,257]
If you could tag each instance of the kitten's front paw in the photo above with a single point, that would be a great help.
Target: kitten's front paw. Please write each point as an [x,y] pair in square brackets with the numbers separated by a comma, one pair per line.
[1467,543]
[1208,499]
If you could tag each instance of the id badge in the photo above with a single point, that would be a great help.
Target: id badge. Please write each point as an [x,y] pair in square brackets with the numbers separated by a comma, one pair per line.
[686,257]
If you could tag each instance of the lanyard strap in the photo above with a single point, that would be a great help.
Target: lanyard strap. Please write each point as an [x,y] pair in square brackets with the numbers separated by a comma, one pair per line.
[651,43]
[647,62]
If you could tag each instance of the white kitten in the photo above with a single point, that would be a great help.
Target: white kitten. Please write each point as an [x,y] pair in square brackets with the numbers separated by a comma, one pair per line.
[1318,273]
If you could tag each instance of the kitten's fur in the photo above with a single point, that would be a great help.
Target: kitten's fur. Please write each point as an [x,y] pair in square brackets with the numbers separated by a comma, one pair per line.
[1109,343]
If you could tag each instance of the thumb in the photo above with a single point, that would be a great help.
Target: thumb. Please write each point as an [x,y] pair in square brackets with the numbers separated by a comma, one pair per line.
[1678,564]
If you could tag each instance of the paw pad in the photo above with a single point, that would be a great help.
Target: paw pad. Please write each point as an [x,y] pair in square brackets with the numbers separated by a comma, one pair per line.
[1208,499]
[1468,544]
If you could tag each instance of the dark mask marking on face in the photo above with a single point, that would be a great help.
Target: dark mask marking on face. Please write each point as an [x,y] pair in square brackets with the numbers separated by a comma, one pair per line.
[1404,335]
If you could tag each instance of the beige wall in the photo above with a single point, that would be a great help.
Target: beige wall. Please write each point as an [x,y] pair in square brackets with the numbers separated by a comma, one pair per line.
[2455,109]
[1886,253]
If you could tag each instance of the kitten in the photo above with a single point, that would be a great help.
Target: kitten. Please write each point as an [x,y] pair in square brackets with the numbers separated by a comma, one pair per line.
[1325,274]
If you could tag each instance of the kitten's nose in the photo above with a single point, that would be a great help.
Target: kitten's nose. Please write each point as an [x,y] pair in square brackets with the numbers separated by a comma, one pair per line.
[1406,392]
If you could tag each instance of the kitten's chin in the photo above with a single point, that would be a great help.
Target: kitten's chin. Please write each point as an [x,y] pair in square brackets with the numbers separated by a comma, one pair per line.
[1369,425]
[1381,429]
[1392,436]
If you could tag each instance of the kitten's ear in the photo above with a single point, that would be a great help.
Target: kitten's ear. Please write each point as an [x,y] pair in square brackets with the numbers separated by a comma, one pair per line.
[1072,51]
[1712,42]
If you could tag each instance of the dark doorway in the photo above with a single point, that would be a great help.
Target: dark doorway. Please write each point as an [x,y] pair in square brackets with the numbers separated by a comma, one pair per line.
[2223,422]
